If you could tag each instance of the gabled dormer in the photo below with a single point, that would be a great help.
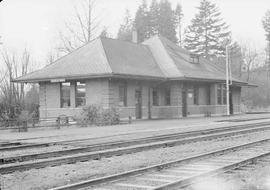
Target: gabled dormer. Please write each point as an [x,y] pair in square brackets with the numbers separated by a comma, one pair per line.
[194,58]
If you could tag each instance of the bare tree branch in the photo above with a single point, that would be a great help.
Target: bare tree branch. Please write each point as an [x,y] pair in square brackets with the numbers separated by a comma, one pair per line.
[12,95]
[84,28]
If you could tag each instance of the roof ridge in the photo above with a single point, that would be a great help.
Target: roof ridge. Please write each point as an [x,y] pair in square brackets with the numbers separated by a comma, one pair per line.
[148,48]
[124,41]
[161,40]
[105,53]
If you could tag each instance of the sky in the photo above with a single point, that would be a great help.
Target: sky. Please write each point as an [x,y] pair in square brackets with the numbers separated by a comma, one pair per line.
[35,24]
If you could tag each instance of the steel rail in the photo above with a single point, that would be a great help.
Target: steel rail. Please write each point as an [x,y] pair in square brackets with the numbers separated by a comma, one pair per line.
[99,147]
[123,175]
[138,140]
[8,168]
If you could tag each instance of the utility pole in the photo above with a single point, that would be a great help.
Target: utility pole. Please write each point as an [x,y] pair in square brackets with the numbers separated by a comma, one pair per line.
[227,81]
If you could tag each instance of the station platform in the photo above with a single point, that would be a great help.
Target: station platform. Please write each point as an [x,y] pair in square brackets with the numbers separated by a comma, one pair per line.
[138,128]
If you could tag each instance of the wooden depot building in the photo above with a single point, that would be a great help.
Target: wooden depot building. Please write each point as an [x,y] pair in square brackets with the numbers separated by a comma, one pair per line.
[153,79]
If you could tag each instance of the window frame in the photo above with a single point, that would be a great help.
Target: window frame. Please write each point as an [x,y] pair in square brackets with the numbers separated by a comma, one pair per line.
[224,94]
[219,94]
[196,95]
[122,99]
[155,98]
[61,95]
[194,59]
[167,97]
[76,93]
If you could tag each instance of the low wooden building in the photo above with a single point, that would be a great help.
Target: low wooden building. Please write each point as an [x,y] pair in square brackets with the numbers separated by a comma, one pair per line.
[154,79]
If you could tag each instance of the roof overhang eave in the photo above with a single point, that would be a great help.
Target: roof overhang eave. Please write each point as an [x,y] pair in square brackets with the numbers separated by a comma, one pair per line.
[70,78]
[37,80]
[235,83]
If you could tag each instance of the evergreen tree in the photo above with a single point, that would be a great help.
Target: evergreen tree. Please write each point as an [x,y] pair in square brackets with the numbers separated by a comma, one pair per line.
[208,34]
[141,22]
[104,33]
[179,16]
[153,17]
[125,30]
[158,18]
[167,21]
[266,26]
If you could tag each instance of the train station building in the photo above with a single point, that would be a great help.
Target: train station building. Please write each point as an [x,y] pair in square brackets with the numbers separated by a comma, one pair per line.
[153,79]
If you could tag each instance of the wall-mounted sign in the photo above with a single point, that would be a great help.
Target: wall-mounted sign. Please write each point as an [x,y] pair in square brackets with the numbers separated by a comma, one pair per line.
[57,80]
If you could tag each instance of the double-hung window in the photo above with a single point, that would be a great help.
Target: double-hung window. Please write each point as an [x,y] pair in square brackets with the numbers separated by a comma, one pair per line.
[219,94]
[65,94]
[167,96]
[196,95]
[80,94]
[155,97]
[123,95]
[224,91]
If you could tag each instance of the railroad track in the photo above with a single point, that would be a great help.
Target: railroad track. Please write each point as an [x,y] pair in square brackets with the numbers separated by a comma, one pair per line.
[242,119]
[228,176]
[9,144]
[179,173]
[53,158]
[19,145]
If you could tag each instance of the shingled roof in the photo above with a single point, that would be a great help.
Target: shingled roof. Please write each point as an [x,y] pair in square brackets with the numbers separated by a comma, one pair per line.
[156,58]
[178,65]
[102,57]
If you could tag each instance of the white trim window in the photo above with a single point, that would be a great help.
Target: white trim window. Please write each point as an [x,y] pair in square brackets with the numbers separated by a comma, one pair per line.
[155,97]
[167,97]
[65,94]
[196,95]
[219,94]
[80,89]
[122,95]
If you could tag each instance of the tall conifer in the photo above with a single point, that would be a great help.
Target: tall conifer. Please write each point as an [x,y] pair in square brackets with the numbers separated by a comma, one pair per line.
[153,17]
[179,16]
[125,30]
[208,34]
[166,21]
[141,22]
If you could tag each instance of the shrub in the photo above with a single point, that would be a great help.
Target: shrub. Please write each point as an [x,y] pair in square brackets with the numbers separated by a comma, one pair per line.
[96,115]
[24,116]
[90,113]
[109,117]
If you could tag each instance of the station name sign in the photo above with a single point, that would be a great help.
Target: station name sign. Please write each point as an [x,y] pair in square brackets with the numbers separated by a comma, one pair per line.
[57,80]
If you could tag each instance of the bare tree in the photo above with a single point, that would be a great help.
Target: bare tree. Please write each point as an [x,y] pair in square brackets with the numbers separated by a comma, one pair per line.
[52,56]
[12,95]
[82,28]
[250,59]
[105,33]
